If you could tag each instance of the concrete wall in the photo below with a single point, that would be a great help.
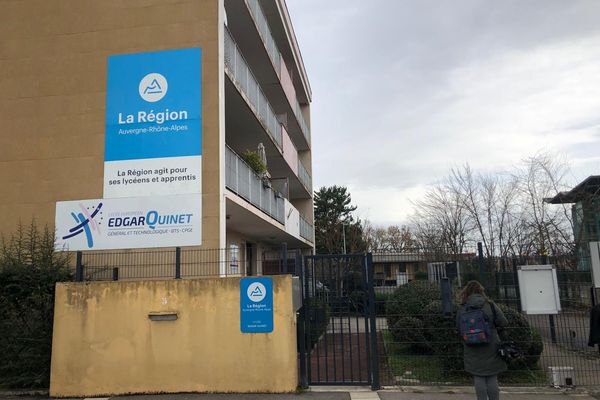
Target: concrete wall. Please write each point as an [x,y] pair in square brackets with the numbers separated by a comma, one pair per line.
[105,344]
[53,67]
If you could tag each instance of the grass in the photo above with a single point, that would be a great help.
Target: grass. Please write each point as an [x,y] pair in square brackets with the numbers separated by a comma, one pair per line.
[411,368]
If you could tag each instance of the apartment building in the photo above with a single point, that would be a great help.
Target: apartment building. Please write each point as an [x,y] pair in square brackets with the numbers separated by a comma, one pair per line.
[255,98]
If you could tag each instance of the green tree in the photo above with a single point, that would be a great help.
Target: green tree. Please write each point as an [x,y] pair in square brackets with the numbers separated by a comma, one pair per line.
[29,270]
[334,222]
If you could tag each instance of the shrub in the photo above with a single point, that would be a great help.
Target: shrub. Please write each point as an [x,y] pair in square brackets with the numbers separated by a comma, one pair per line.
[318,317]
[410,300]
[415,318]
[525,337]
[421,276]
[380,301]
[29,270]
[254,161]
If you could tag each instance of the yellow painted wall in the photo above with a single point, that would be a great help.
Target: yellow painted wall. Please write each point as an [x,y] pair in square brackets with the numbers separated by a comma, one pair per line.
[105,344]
[53,68]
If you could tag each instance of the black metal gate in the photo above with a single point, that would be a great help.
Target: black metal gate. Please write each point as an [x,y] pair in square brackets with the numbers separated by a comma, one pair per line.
[338,337]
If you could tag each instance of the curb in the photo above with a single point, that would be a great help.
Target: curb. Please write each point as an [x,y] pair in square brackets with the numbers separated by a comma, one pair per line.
[19,393]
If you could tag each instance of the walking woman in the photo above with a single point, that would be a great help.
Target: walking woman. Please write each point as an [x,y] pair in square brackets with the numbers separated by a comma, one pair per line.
[477,320]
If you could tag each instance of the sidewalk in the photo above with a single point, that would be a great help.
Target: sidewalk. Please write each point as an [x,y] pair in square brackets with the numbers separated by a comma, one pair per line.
[359,393]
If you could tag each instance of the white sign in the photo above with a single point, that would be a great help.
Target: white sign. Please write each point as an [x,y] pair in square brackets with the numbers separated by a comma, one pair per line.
[153,141]
[538,287]
[126,223]
[153,177]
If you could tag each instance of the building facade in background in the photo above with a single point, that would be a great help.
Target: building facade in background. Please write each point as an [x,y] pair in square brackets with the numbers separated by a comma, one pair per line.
[60,58]
[585,212]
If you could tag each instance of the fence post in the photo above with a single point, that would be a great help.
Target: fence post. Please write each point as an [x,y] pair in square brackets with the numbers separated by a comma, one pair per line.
[301,324]
[79,267]
[447,305]
[373,322]
[177,262]
[482,272]
[516,283]
[550,316]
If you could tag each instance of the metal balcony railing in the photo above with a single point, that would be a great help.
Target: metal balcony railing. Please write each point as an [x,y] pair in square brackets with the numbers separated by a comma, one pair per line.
[306,230]
[265,33]
[243,76]
[304,177]
[246,183]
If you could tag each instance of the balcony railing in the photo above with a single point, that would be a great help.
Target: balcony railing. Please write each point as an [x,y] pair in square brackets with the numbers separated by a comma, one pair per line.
[242,180]
[306,230]
[265,33]
[304,177]
[243,76]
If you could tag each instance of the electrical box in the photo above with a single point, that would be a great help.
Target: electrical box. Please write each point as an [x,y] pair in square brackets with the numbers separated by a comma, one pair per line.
[538,287]
[561,376]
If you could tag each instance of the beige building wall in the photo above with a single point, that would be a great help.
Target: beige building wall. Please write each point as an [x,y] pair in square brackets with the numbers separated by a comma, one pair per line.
[53,69]
[105,344]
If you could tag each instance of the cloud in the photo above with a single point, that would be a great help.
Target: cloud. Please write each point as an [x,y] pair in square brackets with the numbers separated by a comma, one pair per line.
[404,90]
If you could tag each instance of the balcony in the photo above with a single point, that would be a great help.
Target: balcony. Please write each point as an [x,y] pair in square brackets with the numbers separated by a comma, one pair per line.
[249,114]
[241,74]
[264,31]
[249,186]
[304,177]
[306,230]
[247,23]
[242,180]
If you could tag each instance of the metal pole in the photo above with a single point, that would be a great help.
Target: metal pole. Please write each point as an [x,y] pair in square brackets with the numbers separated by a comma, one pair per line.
[302,324]
[482,272]
[516,283]
[551,316]
[177,262]
[344,236]
[373,322]
[447,306]
[79,267]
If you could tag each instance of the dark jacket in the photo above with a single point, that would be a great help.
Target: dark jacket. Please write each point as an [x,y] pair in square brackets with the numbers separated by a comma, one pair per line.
[483,359]
[594,326]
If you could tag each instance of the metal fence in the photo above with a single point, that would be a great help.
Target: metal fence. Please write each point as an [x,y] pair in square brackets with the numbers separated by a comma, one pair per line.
[174,263]
[304,176]
[240,73]
[420,345]
[241,179]
[306,230]
[396,301]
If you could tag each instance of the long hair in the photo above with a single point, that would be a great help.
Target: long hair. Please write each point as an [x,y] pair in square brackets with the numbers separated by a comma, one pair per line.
[473,287]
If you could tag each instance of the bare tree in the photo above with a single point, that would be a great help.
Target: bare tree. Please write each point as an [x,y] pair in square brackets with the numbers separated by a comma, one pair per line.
[441,219]
[543,176]
[504,211]
[394,238]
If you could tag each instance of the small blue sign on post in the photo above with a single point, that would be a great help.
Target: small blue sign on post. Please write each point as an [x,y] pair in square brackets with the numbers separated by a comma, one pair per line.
[256,305]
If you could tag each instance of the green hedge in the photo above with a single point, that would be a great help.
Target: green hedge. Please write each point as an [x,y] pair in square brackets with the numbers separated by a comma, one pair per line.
[414,315]
[29,270]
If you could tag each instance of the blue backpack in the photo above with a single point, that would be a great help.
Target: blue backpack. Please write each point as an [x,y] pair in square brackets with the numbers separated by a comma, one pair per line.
[474,326]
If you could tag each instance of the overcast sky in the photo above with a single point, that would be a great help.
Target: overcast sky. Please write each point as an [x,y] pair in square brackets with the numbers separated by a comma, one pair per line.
[404,90]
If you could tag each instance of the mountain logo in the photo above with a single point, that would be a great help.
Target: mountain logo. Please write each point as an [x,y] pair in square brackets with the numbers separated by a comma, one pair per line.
[153,87]
[256,292]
